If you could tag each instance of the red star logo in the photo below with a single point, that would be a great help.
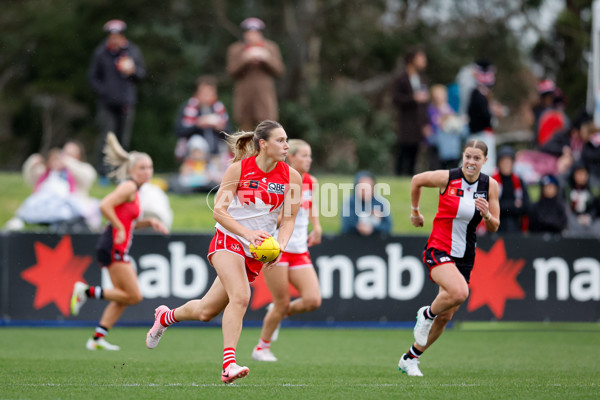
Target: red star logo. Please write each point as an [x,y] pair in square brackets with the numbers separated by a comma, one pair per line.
[55,273]
[261,296]
[494,280]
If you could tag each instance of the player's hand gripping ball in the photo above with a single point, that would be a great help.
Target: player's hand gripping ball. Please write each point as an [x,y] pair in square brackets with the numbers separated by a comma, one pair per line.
[267,251]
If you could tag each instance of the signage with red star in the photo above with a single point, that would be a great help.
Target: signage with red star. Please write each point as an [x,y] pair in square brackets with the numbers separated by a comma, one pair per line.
[494,280]
[55,273]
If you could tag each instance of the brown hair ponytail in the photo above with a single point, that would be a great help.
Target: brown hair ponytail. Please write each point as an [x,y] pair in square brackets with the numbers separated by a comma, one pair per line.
[247,144]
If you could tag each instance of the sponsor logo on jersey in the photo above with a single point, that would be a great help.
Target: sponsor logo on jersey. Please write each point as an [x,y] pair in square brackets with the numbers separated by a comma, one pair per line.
[480,195]
[277,188]
[249,173]
[264,179]
[249,184]
[456,192]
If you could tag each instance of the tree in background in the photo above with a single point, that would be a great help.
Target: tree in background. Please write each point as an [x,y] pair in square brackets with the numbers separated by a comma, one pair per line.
[340,59]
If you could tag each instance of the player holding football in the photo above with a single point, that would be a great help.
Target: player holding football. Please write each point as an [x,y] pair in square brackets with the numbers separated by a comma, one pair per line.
[122,208]
[254,190]
[295,265]
[466,196]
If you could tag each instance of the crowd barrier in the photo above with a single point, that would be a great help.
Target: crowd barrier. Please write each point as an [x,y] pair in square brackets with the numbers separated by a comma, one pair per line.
[375,281]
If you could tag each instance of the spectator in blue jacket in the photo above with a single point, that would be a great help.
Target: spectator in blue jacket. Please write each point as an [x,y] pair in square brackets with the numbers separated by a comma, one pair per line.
[366,212]
[117,66]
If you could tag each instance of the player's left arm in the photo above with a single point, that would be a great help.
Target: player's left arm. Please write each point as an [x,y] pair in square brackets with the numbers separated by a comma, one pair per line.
[314,237]
[490,209]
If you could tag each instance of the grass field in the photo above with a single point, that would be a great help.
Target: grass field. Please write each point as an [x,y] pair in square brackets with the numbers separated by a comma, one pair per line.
[191,212]
[471,361]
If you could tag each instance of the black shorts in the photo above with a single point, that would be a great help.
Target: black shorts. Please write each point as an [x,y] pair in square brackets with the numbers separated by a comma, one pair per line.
[108,252]
[434,257]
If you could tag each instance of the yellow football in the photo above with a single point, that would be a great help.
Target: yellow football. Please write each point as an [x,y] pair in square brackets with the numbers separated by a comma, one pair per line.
[267,251]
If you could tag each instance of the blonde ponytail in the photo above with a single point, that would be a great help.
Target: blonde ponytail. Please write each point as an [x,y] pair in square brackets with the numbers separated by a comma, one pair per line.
[118,160]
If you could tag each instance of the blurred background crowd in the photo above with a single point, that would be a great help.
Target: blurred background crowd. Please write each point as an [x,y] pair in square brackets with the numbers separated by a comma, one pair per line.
[391,87]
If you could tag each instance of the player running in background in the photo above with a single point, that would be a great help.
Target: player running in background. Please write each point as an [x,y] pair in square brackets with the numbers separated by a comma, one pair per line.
[121,208]
[295,265]
[255,188]
[466,196]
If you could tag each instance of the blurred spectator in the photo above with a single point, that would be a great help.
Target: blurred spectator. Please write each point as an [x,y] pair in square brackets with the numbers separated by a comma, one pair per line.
[483,109]
[154,203]
[53,201]
[410,95]
[202,115]
[581,201]
[514,198]
[117,66]
[254,63]
[69,165]
[447,127]
[567,145]
[549,213]
[196,173]
[552,119]
[545,89]
[363,212]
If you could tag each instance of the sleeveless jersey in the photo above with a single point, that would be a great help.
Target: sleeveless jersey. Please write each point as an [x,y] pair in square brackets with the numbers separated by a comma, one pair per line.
[457,218]
[128,213]
[299,240]
[258,199]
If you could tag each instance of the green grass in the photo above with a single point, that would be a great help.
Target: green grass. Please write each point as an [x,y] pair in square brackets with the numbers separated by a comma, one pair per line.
[191,212]
[471,361]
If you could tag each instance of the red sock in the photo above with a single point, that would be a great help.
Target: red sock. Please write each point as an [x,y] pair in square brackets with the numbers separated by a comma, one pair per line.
[168,318]
[228,357]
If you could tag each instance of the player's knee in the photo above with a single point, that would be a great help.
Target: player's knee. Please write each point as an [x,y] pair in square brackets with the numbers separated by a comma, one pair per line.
[240,300]
[281,304]
[312,302]
[134,298]
[459,294]
[206,315]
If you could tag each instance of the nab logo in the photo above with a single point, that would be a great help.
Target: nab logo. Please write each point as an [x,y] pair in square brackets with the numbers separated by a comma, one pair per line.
[457,192]
[235,247]
[480,195]
[277,188]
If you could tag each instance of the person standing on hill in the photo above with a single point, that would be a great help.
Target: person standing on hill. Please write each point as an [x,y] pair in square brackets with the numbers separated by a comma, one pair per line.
[117,67]
[254,63]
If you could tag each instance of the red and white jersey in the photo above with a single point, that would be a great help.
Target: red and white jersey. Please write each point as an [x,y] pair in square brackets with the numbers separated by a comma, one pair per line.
[258,199]
[457,218]
[298,242]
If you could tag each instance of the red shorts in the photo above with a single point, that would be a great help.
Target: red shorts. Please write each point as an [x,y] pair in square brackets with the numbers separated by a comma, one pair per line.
[223,242]
[295,260]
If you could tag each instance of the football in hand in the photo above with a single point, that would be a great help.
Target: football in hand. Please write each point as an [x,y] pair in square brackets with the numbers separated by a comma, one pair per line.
[267,251]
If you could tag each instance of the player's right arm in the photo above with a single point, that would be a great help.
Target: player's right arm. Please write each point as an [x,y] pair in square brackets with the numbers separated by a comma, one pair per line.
[438,178]
[225,195]
[124,193]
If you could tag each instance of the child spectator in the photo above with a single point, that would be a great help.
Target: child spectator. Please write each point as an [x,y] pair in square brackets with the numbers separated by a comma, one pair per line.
[581,201]
[203,115]
[549,214]
[514,198]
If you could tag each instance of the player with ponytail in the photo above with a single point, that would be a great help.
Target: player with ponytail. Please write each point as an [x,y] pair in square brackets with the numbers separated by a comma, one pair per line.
[121,208]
